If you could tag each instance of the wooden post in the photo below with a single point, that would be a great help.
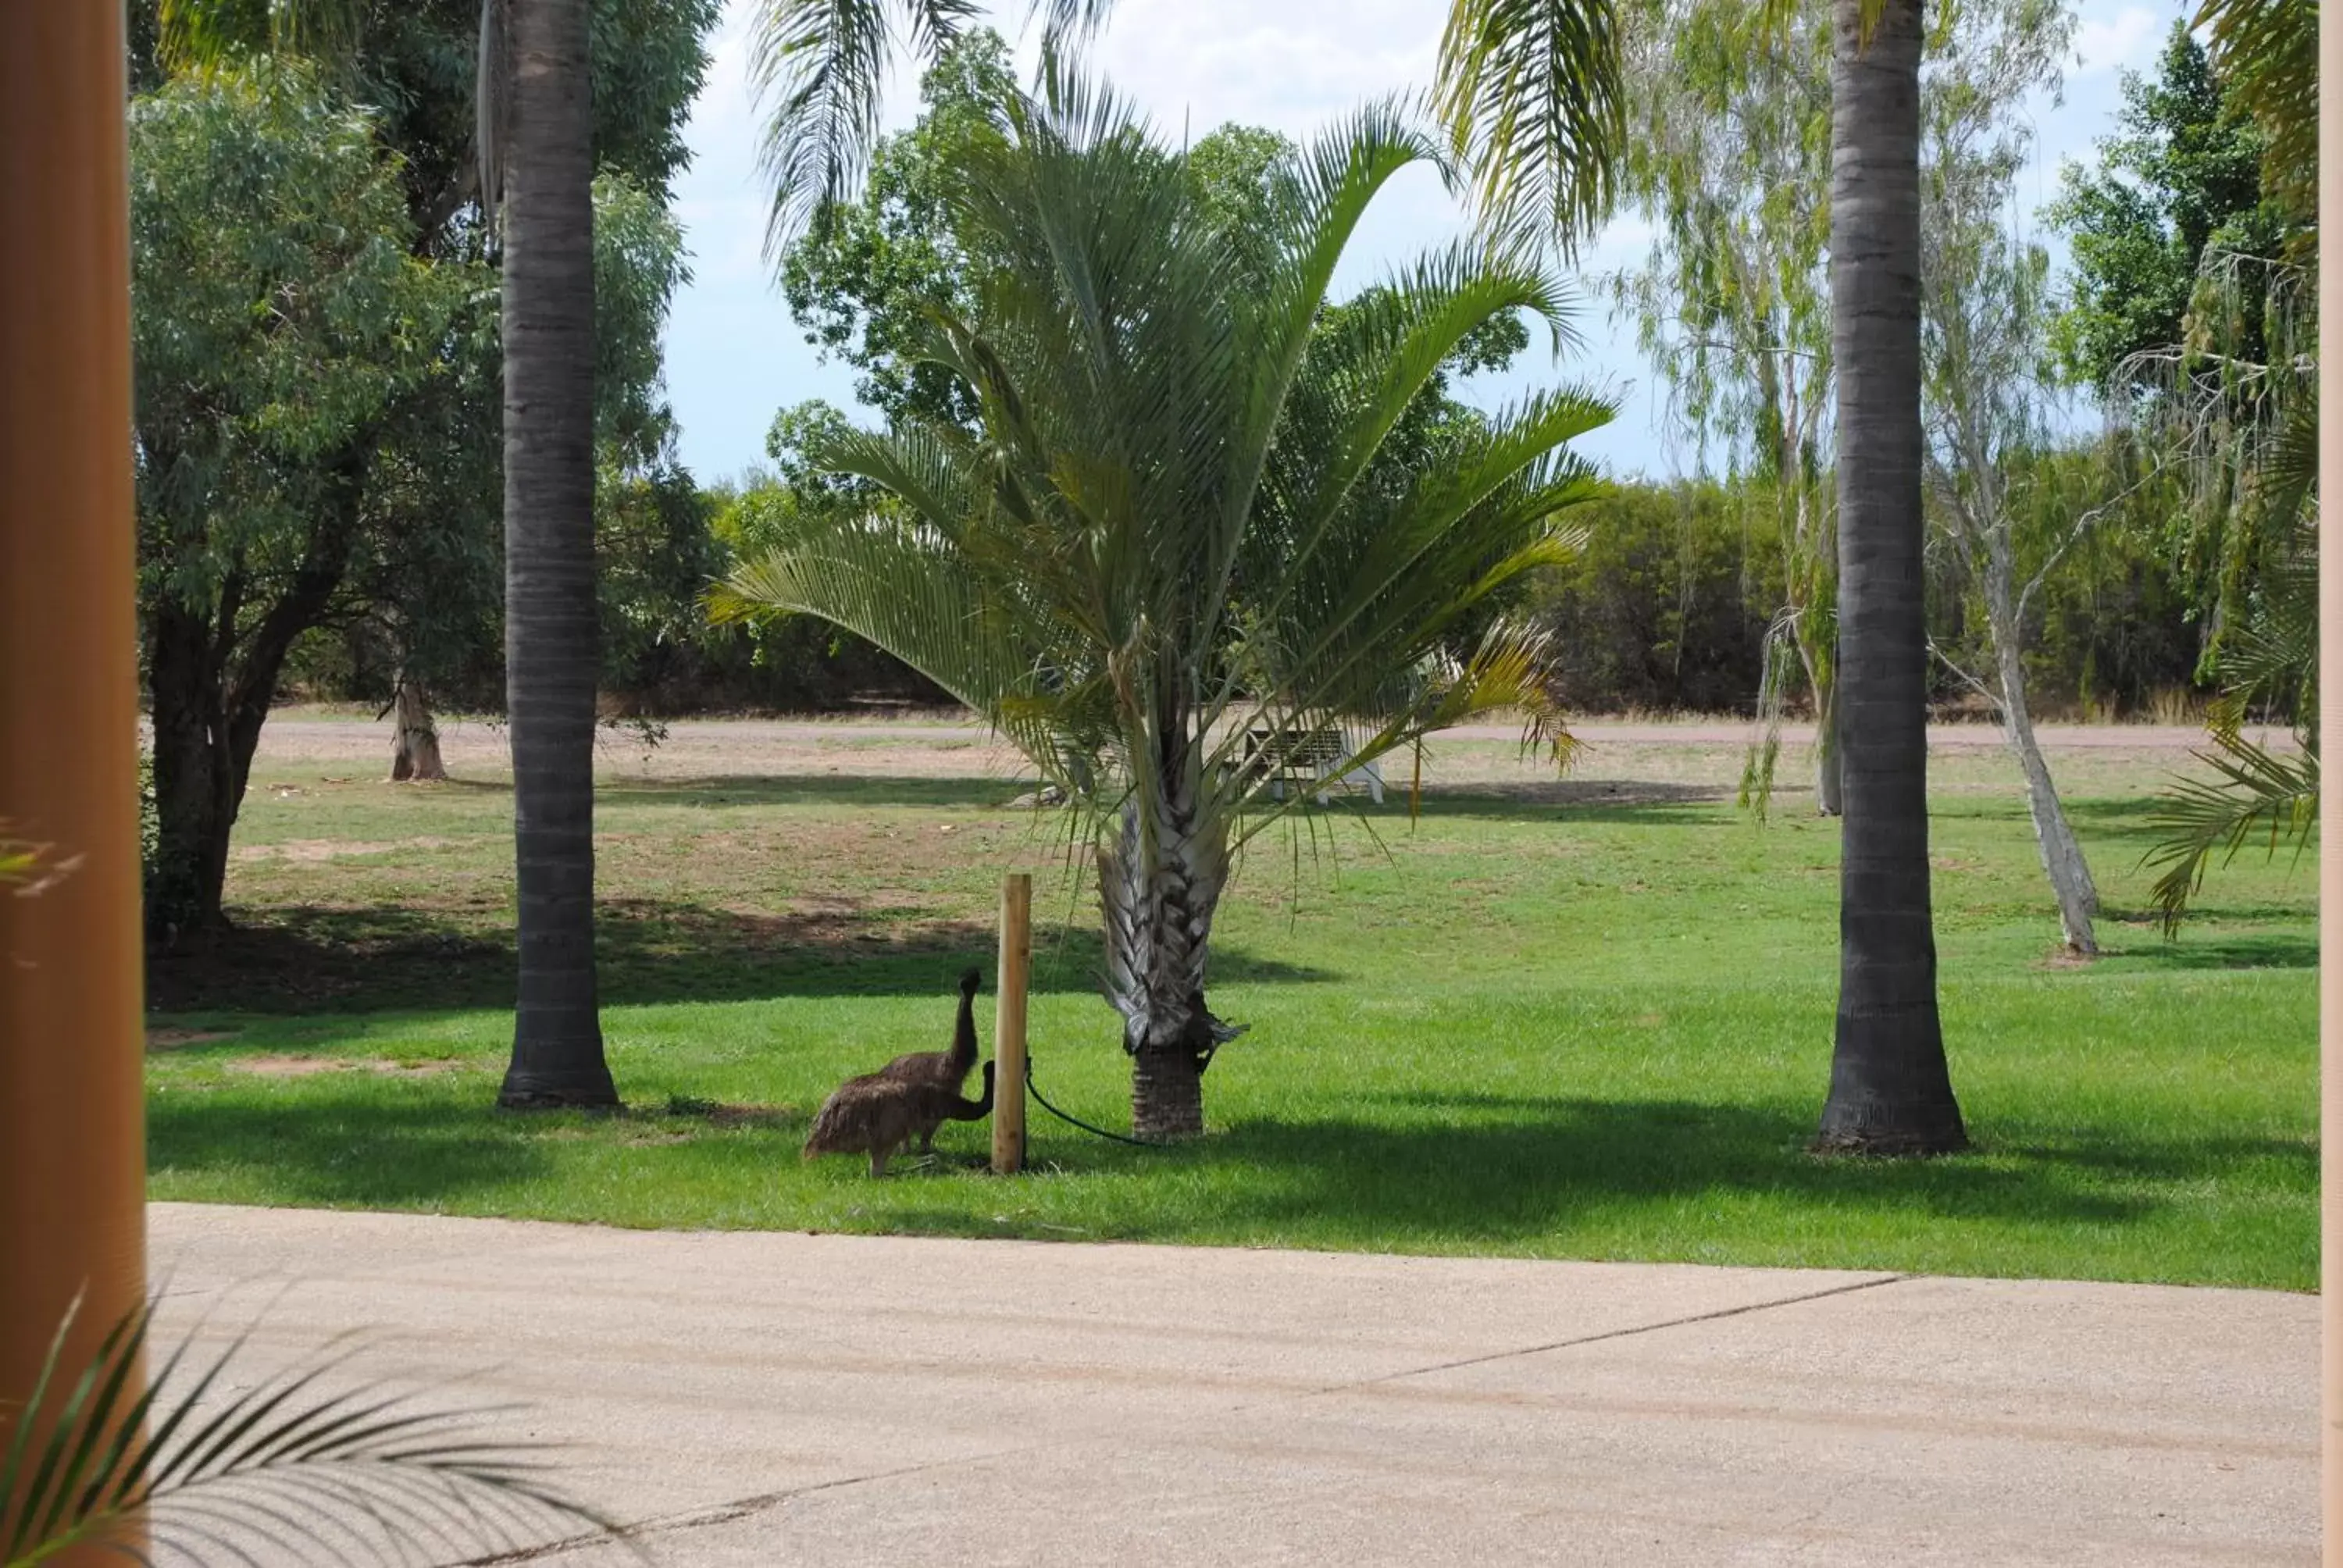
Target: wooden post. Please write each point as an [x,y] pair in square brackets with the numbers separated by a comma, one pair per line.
[1008,1024]
[2330,787]
[73,1164]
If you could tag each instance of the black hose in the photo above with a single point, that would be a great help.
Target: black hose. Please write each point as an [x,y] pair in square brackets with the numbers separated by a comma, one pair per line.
[1035,1089]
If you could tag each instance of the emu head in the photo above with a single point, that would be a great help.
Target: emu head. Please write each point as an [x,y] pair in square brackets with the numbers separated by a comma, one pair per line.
[972,981]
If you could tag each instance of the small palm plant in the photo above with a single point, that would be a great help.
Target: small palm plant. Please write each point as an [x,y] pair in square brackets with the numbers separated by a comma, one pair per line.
[284,1470]
[1177,546]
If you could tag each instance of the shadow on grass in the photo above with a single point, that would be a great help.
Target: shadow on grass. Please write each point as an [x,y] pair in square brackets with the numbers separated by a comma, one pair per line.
[300,959]
[814,789]
[2204,950]
[346,1147]
[1499,1169]
[1529,800]
[1435,1170]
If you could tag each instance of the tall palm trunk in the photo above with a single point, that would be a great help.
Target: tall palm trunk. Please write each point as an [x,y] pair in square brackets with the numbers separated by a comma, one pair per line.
[1890,1093]
[1159,884]
[549,610]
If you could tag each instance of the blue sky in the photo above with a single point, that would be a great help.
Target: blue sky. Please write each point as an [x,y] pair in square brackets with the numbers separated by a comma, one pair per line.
[734,356]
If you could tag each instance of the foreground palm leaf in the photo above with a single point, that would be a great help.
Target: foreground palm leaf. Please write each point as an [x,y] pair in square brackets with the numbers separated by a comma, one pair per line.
[1176,550]
[282,1471]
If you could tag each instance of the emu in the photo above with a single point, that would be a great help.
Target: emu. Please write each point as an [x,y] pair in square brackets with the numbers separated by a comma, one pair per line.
[877,1115]
[944,1069]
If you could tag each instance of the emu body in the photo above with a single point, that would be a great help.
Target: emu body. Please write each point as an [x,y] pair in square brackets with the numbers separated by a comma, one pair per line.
[876,1115]
[945,1069]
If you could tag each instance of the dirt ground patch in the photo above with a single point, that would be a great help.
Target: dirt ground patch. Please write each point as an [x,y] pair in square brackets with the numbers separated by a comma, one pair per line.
[172,1039]
[285,1065]
[314,851]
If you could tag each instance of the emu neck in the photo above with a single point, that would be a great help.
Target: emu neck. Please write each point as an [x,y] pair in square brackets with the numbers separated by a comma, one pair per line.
[964,1046]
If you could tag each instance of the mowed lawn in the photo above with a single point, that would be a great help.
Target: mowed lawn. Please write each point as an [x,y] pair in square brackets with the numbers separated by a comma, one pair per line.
[1588,1018]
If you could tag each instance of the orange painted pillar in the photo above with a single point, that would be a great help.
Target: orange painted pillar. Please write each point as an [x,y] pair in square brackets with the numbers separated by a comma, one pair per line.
[72,1137]
[2331,789]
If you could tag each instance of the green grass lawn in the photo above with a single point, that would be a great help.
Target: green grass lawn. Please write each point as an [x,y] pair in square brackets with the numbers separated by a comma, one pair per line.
[1590,1023]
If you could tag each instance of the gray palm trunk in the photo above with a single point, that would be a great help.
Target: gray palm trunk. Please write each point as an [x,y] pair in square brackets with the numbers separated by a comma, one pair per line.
[549,605]
[1890,1090]
[1160,883]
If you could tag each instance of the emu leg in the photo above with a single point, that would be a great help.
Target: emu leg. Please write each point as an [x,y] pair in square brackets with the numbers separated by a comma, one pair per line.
[878,1161]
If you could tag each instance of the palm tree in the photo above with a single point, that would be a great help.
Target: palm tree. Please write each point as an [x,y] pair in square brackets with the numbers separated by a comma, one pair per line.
[1891,1092]
[1173,556]
[536,160]
[535,166]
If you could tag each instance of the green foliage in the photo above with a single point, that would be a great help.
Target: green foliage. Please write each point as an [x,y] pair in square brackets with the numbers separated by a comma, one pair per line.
[1174,523]
[654,557]
[278,312]
[2182,176]
[217,1469]
[1662,608]
[865,281]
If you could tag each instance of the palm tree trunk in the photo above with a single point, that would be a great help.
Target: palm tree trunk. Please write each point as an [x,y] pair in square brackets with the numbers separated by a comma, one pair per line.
[550,609]
[1158,885]
[1890,1091]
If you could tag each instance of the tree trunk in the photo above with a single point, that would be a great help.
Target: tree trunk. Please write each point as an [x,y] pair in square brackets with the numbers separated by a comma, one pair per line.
[415,742]
[211,682]
[2062,856]
[549,610]
[1158,885]
[1891,1092]
[195,798]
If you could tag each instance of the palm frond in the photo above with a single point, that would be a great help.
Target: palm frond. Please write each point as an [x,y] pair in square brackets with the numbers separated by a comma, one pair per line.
[302,1466]
[1531,94]
[2258,793]
[816,68]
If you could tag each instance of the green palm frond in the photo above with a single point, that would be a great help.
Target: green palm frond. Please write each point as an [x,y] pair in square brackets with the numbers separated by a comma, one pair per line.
[287,1470]
[2257,794]
[1531,94]
[820,65]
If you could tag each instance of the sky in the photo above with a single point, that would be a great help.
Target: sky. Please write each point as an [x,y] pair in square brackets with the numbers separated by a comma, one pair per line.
[734,357]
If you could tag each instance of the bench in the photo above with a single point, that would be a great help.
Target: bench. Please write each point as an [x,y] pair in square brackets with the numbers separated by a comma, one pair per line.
[1311,756]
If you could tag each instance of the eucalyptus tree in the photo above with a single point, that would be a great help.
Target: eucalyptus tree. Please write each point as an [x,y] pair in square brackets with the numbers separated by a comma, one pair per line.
[1727,155]
[1168,552]
[2005,500]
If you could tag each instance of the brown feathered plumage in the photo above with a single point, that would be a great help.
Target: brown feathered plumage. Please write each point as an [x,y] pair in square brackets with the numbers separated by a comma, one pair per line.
[877,1115]
[945,1069]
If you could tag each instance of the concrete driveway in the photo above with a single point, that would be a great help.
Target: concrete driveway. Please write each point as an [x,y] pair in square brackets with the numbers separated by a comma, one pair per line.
[750,1399]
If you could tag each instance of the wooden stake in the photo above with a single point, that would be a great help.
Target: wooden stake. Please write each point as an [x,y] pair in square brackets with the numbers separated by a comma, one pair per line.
[1008,1024]
[73,1159]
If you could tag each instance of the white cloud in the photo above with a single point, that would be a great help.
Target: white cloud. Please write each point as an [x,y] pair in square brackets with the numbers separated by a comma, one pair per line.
[2109,41]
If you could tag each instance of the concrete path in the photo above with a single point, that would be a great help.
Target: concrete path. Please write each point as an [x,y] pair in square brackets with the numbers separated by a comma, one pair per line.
[754,1398]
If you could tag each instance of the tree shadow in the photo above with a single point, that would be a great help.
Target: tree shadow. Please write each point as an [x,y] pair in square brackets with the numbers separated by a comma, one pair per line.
[815,789]
[2200,950]
[1510,1168]
[297,960]
[346,1149]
